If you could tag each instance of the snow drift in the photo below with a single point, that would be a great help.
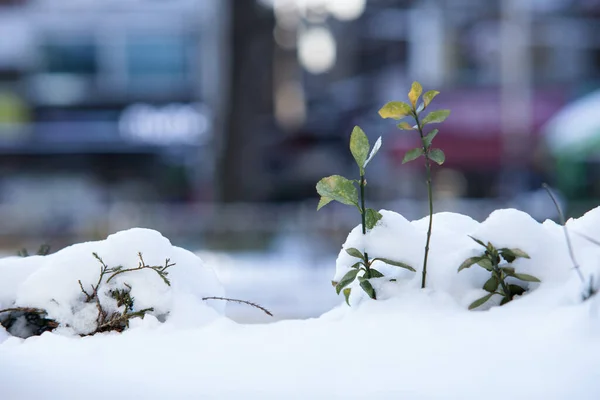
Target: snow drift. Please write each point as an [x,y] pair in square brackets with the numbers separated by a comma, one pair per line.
[51,282]
[397,239]
[410,344]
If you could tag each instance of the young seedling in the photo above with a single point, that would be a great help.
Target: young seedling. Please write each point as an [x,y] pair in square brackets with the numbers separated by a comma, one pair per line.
[44,250]
[337,188]
[490,260]
[364,265]
[399,110]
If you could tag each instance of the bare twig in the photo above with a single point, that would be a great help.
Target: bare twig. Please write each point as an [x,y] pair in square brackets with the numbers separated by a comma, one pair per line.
[88,297]
[239,301]
[120,321]
[568,238]
[161,271]
[24,309]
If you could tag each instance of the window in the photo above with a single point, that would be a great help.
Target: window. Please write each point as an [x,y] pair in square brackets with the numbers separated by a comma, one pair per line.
[156,60]
[70,57]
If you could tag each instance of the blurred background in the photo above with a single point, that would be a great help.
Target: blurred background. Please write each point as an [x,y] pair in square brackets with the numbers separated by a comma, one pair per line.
[212,120]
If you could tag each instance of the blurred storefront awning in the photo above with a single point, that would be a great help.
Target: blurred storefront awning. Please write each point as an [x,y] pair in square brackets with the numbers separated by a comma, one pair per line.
[472,136]
[574,131]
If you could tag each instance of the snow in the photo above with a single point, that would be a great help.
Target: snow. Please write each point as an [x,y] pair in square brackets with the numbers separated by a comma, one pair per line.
[397,239]
[51,282]
[412,343]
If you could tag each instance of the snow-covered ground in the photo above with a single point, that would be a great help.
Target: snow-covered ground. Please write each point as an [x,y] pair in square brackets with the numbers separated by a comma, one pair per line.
[410,344]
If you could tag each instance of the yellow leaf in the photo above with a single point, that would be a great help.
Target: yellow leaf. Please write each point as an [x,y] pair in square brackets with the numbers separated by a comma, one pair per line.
[428,96]
[415,92]
[395,109]
[405,126]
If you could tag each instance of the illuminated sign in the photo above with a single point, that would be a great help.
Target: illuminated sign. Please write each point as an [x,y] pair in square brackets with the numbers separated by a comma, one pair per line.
[166,125]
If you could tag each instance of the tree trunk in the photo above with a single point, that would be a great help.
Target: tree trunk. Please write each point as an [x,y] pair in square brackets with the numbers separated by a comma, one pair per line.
[249,102]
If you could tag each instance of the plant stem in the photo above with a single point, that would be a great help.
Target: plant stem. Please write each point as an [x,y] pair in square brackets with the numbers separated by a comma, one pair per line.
[430,197]
[566,231]
[505,288]
[239,301]
[363,213]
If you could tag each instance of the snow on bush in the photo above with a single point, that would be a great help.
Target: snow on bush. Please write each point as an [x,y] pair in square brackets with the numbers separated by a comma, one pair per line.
[51,282]
[398,239]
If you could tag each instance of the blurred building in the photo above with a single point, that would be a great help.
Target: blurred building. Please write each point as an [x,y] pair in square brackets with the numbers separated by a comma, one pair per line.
[115,99]
[503,67]
[173,102]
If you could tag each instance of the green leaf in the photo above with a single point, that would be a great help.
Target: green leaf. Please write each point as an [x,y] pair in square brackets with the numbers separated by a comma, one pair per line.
[356,265]
[395,110]
[437,155]
[405,126]
[435,117]
[485,263]
[469,262]
[504,300]
[428,96]
[415,92]
[412,155]
[338,188]
[368,288]
[516,290]
[346,280]
[371,218]
[429,137]
[510,271]
[395,263]
[508,255]
[355,253]
[347,292]
[375,273]
[374,151]
[514,253]
[323,202]
[478,241]
[526,277]
[491,285]
[359,147]
[480,301]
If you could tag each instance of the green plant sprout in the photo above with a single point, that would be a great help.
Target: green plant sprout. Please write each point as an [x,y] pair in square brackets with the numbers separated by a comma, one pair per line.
[490,260]
[398,110]
[337,188]
[44,250]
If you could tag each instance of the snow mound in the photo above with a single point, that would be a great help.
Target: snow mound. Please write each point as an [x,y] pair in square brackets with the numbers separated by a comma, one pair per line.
[397,239]
[52,282]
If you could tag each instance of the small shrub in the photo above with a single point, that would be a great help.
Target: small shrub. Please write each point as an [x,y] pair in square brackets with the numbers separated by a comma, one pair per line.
[490,260]
[337,188]
[399,110]
[28,321]
[364,265]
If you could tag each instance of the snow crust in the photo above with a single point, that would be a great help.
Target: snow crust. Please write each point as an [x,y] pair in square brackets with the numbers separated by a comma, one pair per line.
[51,282]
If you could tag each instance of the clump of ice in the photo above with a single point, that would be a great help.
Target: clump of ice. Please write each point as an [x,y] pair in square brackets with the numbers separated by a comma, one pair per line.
[398,239]
[51,282]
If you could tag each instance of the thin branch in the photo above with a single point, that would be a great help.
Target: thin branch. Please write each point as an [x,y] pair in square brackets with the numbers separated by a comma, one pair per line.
[161,271]
[24,309]
[564,224]
[117,319]
[239,301]
[88,297]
